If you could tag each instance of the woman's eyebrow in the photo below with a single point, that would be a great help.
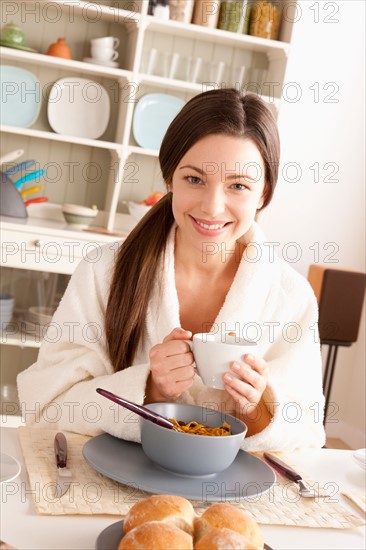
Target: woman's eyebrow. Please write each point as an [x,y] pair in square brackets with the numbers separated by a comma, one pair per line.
[241,176]
[228,177]
[199,170]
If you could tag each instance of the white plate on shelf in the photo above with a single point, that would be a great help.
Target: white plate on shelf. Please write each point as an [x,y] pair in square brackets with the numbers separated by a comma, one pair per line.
[78,107]
[9,468]
[152,116]
[98,62]
[20,96]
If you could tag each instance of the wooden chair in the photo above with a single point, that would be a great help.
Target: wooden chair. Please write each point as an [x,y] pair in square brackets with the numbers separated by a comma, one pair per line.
[340,295]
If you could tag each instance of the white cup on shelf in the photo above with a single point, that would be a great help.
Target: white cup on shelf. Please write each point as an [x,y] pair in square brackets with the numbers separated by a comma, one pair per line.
[101,53]
[111,42]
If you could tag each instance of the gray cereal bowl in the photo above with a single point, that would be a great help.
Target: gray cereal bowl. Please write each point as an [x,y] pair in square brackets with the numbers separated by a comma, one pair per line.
[189,454]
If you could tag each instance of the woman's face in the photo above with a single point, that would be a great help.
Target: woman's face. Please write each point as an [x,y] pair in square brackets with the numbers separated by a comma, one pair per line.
[217,188]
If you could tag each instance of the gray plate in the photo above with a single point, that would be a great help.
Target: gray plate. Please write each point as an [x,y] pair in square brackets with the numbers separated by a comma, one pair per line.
[110,537]
[124,461]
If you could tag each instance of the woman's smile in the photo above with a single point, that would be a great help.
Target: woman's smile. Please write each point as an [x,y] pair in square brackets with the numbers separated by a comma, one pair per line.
[209,228]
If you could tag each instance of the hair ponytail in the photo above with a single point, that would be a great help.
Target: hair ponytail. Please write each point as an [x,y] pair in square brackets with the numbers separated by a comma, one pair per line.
[133,277]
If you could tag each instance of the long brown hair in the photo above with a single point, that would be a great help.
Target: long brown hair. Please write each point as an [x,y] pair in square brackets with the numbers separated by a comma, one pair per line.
[222,111]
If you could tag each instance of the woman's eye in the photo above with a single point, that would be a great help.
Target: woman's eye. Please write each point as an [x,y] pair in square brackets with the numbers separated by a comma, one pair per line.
[194,179]
[239,186]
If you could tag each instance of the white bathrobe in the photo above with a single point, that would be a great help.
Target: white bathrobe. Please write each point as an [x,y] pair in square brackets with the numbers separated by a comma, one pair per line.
[268,301]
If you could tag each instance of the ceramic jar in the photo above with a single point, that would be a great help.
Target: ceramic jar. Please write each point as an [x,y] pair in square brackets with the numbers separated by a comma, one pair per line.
[59,49]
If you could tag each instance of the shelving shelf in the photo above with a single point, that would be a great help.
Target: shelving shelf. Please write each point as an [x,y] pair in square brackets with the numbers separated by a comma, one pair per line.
[68,64]
[191,31]
[41,134]
[20,339]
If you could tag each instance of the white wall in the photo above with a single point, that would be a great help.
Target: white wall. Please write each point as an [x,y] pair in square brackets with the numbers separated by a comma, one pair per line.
[326,57]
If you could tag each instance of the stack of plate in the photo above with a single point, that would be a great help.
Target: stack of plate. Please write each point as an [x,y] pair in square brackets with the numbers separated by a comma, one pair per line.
[37,319]
[6,310]
[360,457]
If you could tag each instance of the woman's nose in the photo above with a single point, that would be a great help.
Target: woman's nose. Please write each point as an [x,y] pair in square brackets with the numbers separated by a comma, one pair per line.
[213,202]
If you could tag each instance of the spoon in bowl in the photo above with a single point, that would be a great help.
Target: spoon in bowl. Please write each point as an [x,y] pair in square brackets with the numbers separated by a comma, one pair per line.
[138,409]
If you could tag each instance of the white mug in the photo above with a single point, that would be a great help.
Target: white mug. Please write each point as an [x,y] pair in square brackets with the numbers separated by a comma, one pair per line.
[103,54]
[106,42]
[214,353]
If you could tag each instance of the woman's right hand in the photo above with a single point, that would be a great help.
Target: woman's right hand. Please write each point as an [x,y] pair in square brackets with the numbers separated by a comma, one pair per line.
[171,367]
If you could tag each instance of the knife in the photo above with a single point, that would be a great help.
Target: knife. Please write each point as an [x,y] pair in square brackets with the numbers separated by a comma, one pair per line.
[289,473]
[64,475]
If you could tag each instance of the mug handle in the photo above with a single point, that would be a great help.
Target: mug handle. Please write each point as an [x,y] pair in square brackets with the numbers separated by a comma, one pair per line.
[190,343]
[114,56]
[115,42]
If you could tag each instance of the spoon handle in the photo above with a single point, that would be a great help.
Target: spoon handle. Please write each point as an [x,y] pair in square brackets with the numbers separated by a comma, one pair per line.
[138,409]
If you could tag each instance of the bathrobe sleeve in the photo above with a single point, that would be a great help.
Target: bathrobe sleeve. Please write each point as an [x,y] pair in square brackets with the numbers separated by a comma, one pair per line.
[58,391]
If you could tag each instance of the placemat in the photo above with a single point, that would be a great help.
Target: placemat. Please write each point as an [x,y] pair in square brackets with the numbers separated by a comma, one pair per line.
[358,500]
[92,493]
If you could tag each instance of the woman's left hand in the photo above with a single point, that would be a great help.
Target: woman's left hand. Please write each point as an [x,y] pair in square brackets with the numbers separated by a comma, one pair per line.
[248,383]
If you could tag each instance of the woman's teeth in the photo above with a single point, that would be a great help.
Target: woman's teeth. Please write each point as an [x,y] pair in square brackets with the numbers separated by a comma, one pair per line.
[211,226]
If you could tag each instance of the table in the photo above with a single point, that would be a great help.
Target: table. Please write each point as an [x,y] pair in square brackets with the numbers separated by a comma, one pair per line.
[25,530]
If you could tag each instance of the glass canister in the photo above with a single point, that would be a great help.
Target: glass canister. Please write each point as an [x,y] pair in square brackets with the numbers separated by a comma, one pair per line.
[265,19]
[206,13]
[234,16]
[159,8]
[181,10]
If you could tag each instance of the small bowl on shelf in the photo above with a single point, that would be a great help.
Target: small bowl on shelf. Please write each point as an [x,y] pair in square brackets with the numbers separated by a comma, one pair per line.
[40,315]
[137,209]
[79,216]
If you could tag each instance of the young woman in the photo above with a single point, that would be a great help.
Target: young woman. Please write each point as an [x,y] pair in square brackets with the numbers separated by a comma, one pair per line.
[197,262]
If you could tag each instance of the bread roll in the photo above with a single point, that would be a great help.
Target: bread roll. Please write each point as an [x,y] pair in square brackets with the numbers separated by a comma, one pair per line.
[225,515]
[155,535]
[219,539]
[170,509]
